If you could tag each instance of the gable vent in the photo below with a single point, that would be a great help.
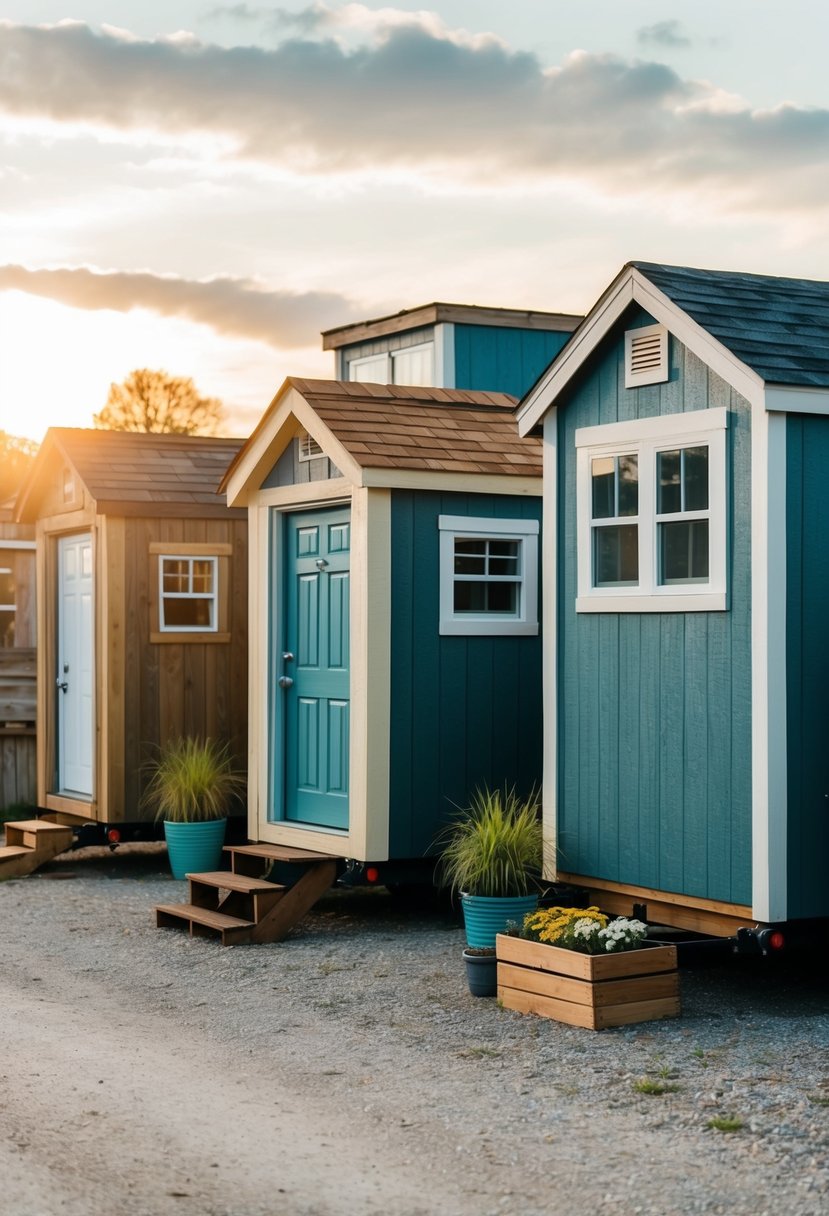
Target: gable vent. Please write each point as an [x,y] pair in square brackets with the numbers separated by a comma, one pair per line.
[646,356]
[309,449]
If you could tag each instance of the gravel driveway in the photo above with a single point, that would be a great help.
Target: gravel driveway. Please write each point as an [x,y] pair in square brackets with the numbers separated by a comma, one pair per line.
[348,1070]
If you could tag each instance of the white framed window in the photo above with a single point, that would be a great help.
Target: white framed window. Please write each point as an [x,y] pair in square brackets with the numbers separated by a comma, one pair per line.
[651,514]
[488,576]
[7,603]
[187,593]
[409,365]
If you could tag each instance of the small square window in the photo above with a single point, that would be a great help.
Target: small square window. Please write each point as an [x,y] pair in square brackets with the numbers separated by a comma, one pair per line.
[187,594]
[488,575]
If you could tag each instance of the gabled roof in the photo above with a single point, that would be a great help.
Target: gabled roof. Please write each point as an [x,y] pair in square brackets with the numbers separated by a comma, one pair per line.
[388,428]
[768,337]
[778,327]
[130,473]
[434,314]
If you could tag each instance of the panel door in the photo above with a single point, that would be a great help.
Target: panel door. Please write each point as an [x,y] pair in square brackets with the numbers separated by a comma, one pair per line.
[75,674]
[314,681]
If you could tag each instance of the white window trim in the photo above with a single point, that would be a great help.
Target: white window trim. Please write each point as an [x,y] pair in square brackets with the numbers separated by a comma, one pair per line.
[525,622]
[646,437]
[164,596]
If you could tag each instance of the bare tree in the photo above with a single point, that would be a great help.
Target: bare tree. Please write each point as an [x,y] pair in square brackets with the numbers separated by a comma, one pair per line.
[16,456]
[156,401]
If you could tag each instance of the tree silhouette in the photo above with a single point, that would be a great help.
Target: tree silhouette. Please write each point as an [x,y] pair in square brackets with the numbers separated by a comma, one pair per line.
[16,456]
[156,401]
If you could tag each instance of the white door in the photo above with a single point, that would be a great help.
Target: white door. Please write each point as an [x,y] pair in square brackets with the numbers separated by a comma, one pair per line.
[75,675]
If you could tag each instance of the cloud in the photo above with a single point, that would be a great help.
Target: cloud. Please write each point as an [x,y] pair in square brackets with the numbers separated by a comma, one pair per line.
[232,307]
[419,99]
[664,33]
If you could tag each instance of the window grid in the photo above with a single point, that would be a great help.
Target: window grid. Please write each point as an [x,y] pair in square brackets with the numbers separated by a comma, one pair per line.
[187,594]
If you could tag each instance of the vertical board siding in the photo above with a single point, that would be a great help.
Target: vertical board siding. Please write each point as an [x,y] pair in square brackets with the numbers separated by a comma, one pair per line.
[466,711]
[807,655]
[655,712]
[503,360]
[289,470]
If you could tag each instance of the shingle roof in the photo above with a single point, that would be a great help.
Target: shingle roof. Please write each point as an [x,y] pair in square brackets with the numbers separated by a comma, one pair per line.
[778,327]
[431,429]
[140,472]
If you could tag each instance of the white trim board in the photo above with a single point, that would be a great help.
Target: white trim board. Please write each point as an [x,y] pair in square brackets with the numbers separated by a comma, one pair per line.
[792,400]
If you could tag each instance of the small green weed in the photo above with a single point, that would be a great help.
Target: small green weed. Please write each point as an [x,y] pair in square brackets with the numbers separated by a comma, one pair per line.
[478,1053]
[647,1085]
[726,1123]
[818,1099]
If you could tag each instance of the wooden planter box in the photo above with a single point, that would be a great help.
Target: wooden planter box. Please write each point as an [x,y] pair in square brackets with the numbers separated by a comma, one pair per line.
[587,989]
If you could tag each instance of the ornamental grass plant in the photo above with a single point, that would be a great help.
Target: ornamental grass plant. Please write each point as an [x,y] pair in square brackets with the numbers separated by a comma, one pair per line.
[494,846]
[192,781]
[585,930]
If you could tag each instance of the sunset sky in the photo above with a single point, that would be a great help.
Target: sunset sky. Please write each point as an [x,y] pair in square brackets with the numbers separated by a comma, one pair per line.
[203,187]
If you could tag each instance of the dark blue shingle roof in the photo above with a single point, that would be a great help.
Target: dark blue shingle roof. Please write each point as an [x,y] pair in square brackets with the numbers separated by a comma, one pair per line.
[778,327]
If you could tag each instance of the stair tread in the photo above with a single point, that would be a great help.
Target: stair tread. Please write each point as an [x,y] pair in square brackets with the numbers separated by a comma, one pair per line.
[13,850]
[235,882]
[204,916]
[279,852]
[37,825]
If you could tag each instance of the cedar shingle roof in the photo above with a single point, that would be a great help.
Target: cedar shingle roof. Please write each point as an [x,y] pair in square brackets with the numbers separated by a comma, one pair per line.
[778,327]
[135,473]
[392,426]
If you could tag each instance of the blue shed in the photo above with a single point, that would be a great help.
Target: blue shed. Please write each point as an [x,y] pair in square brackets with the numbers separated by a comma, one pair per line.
[395,650]
[451,346]
[686,591]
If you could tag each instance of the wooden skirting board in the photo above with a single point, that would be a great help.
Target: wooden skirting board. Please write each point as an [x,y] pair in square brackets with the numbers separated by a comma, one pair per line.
[687,912]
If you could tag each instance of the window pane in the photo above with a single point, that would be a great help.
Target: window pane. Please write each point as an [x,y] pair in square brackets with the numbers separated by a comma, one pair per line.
[616,556]
[668,466]
[6,627]
[503,559]
[684,551]
[203,577]
[413,366]
[696,479]
[175,575]
[604,487]
[6,587]
[470,556]
[374,370]
[486,597]
[628,485]
[187,614]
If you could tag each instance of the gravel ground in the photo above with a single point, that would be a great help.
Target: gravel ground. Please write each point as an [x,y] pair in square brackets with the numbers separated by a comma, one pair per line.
[348,1070]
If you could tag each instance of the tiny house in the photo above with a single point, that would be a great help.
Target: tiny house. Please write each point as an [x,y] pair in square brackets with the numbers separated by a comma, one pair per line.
[451,346]
[686,591]
[141,611]
[395,653]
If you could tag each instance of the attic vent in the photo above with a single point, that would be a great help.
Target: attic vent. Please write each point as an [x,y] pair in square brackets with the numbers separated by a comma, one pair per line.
[646,356]
[309,449]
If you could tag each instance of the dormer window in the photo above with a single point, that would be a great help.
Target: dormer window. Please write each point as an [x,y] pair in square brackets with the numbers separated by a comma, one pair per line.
[646,356]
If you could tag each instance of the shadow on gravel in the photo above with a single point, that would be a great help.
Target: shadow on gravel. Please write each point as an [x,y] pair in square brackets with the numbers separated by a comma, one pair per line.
[796,986]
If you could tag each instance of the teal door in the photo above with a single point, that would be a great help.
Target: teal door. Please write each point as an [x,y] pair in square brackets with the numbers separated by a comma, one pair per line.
[314,667]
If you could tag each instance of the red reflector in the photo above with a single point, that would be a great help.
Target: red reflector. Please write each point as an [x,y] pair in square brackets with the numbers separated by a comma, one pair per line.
[113,836]
[372,874]
[776,941]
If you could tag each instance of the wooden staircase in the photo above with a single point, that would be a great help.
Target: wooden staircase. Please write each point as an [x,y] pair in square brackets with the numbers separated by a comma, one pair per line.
[31,843]
[242,905]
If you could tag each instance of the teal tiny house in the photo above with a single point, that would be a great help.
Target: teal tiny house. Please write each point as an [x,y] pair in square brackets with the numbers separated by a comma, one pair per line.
[395,657]
[686,591]
[451,346]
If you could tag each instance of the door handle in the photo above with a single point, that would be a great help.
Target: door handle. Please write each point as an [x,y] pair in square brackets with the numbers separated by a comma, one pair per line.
[62,684]
[284,681]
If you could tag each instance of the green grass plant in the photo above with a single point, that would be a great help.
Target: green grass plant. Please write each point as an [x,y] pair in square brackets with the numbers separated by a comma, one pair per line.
[647,1085]
[725,1123]
[192,781]
[494,846]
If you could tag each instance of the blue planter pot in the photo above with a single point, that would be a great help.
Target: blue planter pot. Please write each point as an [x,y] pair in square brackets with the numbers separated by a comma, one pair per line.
[486,915]
[195,847]
[481,973]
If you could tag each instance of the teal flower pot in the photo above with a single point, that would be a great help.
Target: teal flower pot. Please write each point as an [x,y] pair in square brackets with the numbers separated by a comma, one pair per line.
[486,915]
[194,848]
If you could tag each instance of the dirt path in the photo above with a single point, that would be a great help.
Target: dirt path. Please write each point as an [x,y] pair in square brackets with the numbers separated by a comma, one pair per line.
[348,1071]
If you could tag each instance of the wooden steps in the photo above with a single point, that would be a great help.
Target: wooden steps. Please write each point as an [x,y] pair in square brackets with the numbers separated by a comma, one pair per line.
[242,905]
[30,843]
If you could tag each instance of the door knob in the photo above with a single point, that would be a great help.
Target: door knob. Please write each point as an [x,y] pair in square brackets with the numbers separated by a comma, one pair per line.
[284,681]
[62,684]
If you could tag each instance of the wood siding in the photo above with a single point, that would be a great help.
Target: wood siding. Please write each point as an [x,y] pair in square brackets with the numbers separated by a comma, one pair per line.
[503,360]
[466,711]
[654,709]
[289,470]
[807,613]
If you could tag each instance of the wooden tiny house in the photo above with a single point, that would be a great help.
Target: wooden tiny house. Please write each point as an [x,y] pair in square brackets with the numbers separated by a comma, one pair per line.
[18,784]
[142,611]
[395,656]
[686,592]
